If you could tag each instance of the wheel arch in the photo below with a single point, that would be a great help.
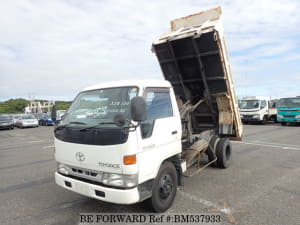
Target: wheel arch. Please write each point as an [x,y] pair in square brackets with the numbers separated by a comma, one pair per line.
[175,160]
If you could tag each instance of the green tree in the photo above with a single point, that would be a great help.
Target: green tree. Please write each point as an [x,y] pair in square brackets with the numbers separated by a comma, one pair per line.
[18,105]
[13,106]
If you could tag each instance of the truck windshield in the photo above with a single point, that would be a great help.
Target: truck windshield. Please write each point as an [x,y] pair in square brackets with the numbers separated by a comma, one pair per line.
[289,103]
[249,104]
[96,107]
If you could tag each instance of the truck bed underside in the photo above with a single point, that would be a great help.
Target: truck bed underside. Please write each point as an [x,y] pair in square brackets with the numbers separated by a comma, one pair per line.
[193,66]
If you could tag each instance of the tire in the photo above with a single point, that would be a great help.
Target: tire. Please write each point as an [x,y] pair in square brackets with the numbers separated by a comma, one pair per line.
[164,188]
[283,123]
[212,147]
[264,120]
[223,153]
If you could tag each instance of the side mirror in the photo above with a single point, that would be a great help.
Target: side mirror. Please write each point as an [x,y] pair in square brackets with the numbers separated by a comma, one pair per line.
[54,113]
[138,109]
[119,120]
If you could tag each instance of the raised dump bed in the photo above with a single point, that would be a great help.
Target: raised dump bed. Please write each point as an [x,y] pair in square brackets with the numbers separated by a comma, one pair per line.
[194,58]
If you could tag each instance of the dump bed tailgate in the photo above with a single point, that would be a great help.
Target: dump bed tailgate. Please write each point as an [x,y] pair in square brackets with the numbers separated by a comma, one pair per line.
[194,58]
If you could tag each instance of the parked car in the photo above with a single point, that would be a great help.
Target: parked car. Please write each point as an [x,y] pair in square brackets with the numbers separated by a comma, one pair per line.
[27,120]
[6,122]
[16,117]
[45,120]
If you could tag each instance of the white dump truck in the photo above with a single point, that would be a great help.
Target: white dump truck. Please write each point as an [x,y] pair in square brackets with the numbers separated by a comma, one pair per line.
[257,109]
[131,141]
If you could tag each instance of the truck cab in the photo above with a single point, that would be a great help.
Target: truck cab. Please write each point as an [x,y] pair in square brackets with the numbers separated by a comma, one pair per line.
[288,110]
[257,109]
[99,158]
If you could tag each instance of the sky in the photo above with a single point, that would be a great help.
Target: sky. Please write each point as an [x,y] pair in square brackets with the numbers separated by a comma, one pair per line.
[53,49]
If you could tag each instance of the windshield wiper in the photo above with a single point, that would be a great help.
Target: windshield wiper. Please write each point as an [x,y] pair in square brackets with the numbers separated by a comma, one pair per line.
[66,125]
[91,127]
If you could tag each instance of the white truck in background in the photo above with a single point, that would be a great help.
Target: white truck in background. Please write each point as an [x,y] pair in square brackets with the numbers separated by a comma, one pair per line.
[131,141]
[257,109]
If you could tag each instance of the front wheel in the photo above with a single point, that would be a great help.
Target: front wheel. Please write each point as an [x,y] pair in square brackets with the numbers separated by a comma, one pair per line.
[164,188]
[264,120]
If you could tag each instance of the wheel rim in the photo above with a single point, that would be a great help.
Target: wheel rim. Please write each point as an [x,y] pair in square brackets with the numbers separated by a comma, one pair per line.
[166,186]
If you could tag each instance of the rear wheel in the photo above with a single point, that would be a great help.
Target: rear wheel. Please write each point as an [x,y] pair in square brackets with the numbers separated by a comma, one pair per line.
[164,188]
[211,153]
[223,153]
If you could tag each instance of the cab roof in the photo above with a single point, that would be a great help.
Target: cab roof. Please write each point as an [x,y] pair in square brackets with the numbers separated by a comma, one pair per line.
[125,83]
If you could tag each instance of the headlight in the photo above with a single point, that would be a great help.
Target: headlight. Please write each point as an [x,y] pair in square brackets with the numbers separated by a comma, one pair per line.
[63,168]
[119,180]
[279,116]
[256,116]
[242,116]
[298,117]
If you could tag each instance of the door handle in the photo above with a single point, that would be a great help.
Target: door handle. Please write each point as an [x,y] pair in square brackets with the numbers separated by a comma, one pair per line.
[174,132]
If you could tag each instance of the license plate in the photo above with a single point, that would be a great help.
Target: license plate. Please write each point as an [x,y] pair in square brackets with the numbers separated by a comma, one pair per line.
[82,188]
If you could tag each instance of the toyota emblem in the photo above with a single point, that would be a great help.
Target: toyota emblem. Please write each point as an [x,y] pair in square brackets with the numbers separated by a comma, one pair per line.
[79,156]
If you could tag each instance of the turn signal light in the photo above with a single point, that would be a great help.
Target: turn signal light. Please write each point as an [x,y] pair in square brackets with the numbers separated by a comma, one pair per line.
[129,159]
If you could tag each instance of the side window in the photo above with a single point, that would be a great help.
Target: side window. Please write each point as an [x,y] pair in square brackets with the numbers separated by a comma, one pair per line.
[158,106]
[263,104]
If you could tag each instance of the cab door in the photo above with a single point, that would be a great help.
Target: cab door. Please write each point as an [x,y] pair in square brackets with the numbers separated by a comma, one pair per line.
[160,134]
[264,109]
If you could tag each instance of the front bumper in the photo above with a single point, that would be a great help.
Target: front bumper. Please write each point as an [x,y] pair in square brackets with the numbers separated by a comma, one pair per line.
[6,126]
[119,196]
[250,118]
[288,119]
[29,124]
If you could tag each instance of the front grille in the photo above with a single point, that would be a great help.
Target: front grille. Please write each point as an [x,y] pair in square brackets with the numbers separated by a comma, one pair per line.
[86,173]
[289,116]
